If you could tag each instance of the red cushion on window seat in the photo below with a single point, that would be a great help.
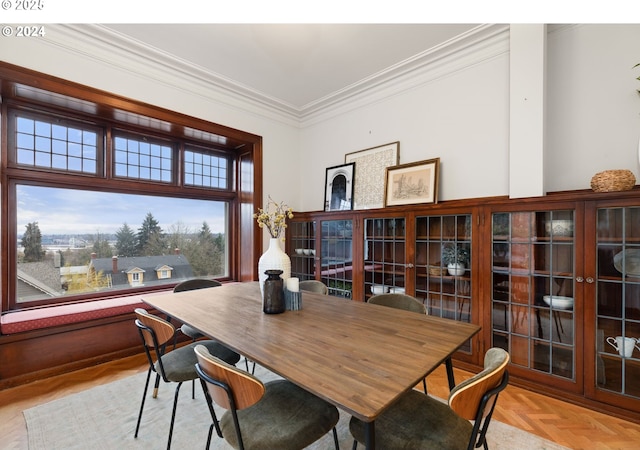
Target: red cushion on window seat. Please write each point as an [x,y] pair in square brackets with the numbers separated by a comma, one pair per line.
[20,321]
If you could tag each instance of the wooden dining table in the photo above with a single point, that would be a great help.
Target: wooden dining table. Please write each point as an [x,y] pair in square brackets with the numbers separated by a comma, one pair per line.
[357,356]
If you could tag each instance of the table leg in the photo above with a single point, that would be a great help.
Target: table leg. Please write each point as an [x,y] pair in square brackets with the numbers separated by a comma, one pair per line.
[370,435]
[450,376]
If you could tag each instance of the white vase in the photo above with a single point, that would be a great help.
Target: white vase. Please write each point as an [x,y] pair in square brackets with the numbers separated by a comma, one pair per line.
[455,269]
[273,258]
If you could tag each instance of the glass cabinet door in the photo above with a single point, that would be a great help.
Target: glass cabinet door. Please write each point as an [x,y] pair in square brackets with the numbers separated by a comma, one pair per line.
[336,263]
[302,235]
[533,266]
[443,266]
[384,255]
[618,300]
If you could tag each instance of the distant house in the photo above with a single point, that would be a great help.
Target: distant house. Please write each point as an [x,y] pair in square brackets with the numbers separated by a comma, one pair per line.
[142,270]
[38,279]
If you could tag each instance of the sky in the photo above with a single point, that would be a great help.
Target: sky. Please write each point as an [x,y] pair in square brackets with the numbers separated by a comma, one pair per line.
[68,211]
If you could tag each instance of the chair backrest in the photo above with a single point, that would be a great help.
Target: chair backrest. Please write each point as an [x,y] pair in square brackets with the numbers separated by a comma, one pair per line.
[226,383]
[314,286]
[398,301]
[155,331]
[195,283]
[468,399]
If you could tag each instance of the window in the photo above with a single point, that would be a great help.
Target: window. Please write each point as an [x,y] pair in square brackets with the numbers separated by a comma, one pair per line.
[104,202]
[47,143]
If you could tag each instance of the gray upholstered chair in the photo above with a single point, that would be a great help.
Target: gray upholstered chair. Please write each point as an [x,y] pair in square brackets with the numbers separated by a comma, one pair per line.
[276,415]
[177,365]
[398,301]
[401,301]
[314,286]
[418,421]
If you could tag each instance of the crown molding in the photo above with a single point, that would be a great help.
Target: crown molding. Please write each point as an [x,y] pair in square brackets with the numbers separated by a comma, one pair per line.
[108,47]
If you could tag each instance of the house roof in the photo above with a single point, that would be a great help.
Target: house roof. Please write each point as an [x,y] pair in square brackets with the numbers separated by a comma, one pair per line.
[148,264]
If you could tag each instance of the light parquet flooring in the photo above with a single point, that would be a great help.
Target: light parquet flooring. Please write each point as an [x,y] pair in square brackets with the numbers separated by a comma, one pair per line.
[566,424]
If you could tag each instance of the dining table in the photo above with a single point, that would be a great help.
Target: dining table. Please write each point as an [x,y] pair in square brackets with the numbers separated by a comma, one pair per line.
[357,356]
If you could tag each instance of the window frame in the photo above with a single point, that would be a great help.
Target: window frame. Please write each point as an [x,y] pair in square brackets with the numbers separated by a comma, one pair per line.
[111,113]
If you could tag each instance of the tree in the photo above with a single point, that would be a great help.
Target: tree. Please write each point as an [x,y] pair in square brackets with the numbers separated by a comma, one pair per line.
[101,247]
[178,237]
[126,243]
[32,243]
[150,238]
[205,254]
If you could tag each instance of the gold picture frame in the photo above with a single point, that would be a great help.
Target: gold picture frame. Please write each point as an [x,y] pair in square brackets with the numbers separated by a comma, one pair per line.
[412,183]
[371,164]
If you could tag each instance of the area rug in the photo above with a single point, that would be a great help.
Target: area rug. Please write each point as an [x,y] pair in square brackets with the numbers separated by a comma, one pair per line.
[105,417]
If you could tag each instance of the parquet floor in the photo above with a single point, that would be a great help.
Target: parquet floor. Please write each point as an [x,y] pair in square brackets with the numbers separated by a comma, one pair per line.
[564,423]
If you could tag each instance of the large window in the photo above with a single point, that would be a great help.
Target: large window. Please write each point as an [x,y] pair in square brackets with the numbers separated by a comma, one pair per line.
[103,202]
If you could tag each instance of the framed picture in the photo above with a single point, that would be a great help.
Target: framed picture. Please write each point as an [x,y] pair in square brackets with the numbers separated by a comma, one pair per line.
[338,187]
[412,183]
[371,165]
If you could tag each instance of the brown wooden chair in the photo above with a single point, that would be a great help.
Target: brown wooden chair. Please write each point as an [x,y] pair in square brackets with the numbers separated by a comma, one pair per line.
[314,286]
[276,415]
[176,365]
[418,421]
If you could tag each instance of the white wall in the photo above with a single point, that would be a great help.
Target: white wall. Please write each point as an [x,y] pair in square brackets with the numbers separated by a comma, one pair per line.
[592,123]
[593,109]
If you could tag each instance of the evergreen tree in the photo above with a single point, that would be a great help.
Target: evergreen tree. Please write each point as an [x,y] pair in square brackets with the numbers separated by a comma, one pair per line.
[205,255]
[101,247]
[126,244]
[32,243]
[150,238]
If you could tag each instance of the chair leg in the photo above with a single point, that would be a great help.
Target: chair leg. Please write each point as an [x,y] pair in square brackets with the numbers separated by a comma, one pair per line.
[156,386]
[173,415]
[335,438]
[355,445]
[144,396]
[424,385]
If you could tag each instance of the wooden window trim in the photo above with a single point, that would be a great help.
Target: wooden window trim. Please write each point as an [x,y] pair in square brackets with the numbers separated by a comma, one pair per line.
[115,111]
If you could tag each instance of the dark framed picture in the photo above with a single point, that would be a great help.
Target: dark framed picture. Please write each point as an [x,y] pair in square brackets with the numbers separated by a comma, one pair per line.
[338,187]
[371,164]
[412,183]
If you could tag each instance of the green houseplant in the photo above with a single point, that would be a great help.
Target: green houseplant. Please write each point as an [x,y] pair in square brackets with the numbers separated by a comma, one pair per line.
[455,257]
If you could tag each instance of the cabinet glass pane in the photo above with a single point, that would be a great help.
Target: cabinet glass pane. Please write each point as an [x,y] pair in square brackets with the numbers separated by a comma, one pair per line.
[533,260]
[445,291]
[336,260]
[302,235]
[384,255]
[618,300]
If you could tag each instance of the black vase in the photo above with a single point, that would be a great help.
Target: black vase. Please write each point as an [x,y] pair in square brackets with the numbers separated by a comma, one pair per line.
[273,302]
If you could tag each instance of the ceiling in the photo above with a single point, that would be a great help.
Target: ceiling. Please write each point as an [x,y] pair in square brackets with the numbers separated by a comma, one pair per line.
[293,64]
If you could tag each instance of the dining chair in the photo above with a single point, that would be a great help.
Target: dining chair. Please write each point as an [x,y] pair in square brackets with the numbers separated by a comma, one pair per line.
[418,421]
[273,415]
[405,302]
[177,365]
[190,285]
[314,286]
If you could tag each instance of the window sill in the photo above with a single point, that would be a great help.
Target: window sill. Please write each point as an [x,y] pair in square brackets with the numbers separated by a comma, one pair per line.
[53,316]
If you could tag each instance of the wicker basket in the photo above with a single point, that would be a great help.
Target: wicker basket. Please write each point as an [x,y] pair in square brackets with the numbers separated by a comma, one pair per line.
[436,271]
[613,181]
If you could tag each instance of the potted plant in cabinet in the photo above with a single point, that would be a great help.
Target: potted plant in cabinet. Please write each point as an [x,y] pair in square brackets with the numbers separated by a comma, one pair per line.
[455,257]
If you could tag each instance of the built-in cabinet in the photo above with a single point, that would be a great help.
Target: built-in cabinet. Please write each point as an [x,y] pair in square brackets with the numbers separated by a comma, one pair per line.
[554,280]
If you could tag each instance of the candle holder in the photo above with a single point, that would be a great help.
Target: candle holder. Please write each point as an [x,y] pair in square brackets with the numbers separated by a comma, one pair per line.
[292,300]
